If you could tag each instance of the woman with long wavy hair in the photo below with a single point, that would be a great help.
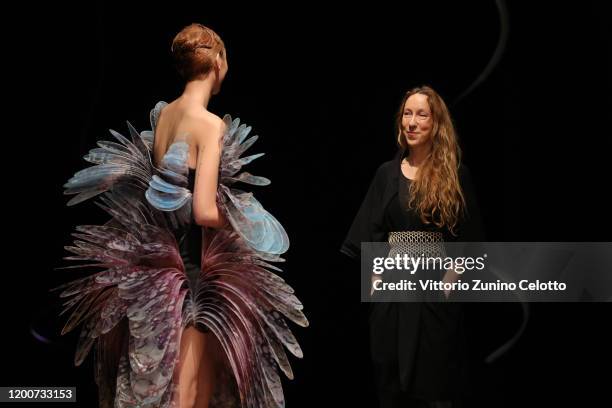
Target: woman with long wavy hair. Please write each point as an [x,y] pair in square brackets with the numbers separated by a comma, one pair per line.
[420,199]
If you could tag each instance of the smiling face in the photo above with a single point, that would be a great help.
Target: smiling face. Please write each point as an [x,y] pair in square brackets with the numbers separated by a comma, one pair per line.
[417,121]
[423,125]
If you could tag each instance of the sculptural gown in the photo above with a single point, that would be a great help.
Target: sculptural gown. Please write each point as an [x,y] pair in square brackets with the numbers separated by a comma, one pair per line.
[158,272]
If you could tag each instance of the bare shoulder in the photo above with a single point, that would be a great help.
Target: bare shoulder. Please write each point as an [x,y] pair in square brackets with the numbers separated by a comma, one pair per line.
[207,126]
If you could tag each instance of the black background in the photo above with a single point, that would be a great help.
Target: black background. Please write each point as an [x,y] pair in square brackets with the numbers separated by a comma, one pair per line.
[321,86]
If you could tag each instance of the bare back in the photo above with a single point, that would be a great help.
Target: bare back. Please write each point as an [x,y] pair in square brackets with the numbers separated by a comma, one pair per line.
[204,134]
[177,119]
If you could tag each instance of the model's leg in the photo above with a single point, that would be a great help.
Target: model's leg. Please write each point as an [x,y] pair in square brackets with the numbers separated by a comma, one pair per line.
[207,373]
[192,351]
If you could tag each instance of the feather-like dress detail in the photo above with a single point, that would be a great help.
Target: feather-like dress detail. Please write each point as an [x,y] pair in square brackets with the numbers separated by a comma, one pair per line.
[143,279]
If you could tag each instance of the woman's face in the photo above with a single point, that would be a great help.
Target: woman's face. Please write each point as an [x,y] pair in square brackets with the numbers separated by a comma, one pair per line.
[416,120]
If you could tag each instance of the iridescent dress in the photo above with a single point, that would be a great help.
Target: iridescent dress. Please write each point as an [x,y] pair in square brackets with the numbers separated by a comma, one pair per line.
[159,272]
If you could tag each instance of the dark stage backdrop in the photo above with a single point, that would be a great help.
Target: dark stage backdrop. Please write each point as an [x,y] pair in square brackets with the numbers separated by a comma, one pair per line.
[321,86]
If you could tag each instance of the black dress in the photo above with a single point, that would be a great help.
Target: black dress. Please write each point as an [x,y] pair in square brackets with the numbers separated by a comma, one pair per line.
[190,239]
[417,349]
[190,245]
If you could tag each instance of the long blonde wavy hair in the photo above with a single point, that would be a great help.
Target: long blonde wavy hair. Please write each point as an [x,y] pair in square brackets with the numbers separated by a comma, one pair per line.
[436,193]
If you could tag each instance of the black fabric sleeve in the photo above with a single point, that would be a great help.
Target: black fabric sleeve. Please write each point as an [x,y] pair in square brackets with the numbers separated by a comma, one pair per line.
[365,222]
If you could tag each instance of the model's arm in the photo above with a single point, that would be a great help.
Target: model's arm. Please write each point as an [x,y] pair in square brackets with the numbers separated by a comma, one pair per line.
[205,210]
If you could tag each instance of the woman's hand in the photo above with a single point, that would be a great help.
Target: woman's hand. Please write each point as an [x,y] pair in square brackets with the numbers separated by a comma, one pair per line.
[374,279]
[449,277]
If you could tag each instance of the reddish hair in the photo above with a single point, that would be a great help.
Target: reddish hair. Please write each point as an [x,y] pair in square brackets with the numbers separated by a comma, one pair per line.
[194,50]
[436,193]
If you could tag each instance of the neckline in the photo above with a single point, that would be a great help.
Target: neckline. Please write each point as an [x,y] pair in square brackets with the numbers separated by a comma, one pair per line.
[402,172]
[402,153]
[404,177]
